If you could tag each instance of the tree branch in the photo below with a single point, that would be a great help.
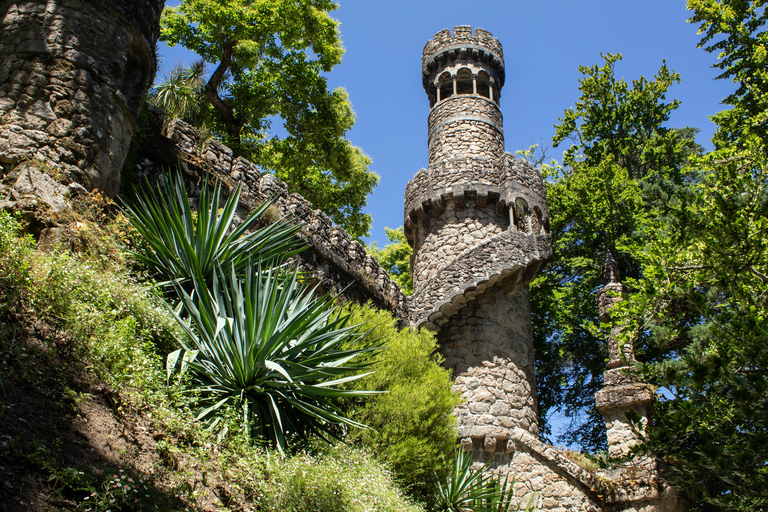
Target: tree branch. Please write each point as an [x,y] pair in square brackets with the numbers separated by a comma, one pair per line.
[212,87]
[763,277]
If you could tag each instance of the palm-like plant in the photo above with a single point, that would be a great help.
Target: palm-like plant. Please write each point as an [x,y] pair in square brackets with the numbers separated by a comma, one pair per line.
[184,247]
[180,93]
[266,346]
[467,490]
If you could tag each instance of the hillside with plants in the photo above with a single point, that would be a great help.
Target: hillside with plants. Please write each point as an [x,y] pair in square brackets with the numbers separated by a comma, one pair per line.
[163,351]
[179,363]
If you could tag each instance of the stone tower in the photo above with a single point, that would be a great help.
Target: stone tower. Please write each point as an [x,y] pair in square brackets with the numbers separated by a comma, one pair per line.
[73,76]
[478,223]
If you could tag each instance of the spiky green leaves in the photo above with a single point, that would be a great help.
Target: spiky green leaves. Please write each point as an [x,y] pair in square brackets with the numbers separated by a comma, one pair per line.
[266,346]
[467,488]
[260,343]
[186,246]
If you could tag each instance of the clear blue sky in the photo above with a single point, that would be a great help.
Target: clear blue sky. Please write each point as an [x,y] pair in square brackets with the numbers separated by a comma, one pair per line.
[544,43]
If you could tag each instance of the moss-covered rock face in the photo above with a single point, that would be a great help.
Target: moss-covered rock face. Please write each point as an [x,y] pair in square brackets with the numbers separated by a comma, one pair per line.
[72,81]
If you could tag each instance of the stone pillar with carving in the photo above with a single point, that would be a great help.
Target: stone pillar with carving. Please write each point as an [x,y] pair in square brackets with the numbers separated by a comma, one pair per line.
[622,392]
[640,488]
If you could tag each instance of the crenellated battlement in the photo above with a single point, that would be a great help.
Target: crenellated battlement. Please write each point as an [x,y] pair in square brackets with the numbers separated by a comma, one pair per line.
[444,47]
[511,184]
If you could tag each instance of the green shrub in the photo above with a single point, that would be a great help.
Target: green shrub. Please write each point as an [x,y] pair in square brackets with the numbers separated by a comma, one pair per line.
[14,267]
[109,319]
[338,479]
[413,425]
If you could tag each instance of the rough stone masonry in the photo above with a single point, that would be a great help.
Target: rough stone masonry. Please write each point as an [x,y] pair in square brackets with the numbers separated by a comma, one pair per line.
[478,222]
[72,81]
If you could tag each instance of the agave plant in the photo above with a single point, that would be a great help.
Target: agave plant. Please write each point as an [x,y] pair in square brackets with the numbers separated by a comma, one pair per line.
[266,346]
[468,490]
[184,247]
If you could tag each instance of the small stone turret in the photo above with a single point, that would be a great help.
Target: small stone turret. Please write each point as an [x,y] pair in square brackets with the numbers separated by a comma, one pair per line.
[622,392]
[477,220]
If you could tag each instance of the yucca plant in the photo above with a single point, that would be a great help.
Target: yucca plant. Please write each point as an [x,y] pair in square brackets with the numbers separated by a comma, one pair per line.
[460,488]
[183,247]
[468,490]
[499,496]
[181,93]
[266,346]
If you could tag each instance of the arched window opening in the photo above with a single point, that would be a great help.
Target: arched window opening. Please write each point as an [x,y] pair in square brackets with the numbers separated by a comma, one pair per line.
[536,223]
[495,94]
[446,86]
[464,83]
[483,84]
[521,215]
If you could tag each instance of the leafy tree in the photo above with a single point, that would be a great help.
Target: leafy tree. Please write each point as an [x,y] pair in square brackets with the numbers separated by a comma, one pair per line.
[704,289]
[269,59]
[621,159]
[395,258]
[734,29]
[413,428]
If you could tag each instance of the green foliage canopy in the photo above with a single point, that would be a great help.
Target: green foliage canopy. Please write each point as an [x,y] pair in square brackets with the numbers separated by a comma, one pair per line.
[735,31]
[621,159]
[704,289]
[270,58]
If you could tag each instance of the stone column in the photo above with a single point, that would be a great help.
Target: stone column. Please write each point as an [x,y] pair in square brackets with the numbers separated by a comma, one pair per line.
[622,392]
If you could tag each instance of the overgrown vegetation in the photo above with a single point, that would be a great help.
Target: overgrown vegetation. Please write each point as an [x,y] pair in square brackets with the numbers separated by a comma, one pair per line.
[259,342]
[93,310]
[270,62]
[412,422]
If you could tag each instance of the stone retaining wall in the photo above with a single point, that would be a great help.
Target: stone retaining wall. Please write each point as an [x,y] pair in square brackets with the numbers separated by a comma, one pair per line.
[333,258]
